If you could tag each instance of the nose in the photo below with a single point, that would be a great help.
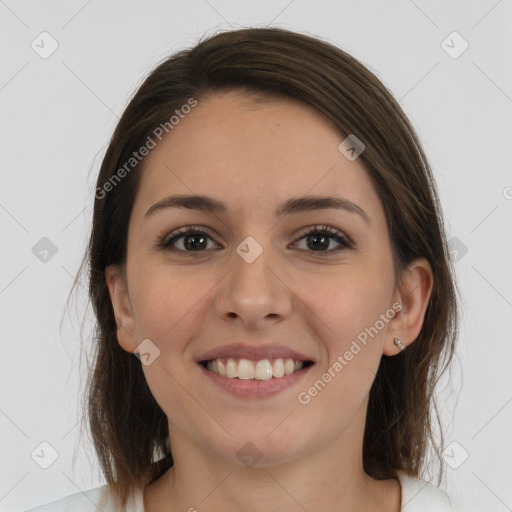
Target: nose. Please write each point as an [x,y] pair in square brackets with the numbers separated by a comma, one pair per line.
[255,293]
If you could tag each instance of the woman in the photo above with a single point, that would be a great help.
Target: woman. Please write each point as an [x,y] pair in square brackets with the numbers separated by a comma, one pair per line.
[268,243]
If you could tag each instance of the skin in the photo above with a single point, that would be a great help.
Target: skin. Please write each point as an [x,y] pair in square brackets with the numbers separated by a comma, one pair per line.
[254,156]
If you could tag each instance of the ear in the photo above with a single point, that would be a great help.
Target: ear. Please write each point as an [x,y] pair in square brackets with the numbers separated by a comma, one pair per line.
[118,288]
[413,294]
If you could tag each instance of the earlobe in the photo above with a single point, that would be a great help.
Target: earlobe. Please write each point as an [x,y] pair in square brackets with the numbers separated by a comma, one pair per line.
[117,286]
[414,295]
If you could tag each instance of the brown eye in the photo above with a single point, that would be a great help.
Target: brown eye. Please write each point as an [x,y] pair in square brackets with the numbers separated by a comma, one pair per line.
[319,239]
[189,240]
[185,240]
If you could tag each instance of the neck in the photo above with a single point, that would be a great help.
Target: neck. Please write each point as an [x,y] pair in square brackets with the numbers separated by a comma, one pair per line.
[329,477]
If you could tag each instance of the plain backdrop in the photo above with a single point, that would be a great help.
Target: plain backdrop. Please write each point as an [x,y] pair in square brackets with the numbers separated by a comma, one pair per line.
[68,70]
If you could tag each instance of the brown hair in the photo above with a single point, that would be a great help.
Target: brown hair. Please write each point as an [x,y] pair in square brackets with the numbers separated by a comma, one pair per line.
[129,429]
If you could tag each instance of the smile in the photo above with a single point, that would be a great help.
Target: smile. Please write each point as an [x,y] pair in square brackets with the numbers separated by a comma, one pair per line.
[245,369]
[255,379]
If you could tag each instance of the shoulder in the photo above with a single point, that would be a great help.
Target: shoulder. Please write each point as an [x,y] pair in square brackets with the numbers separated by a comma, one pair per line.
[89,501]
[99,498]
[422,496]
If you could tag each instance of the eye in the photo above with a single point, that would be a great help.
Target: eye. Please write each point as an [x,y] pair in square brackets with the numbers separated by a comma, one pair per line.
[320,237]
[189,239]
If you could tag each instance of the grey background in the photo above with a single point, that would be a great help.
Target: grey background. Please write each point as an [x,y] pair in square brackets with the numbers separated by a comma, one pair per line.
[57,114]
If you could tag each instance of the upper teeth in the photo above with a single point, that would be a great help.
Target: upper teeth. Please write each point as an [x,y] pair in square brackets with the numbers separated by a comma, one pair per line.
[247,369]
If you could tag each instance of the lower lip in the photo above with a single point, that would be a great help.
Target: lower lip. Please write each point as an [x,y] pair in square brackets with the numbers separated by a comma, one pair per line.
[256,388]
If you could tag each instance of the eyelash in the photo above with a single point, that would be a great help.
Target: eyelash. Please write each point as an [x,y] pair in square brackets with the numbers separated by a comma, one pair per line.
[165,243]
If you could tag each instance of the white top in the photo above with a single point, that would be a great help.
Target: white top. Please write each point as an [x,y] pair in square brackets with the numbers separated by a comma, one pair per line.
[417,496]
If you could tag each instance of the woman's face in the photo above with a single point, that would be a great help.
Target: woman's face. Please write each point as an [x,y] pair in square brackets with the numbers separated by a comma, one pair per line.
[256,285]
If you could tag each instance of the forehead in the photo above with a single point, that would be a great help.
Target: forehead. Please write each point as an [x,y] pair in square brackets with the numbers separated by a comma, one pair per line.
[252,150]
[234,127]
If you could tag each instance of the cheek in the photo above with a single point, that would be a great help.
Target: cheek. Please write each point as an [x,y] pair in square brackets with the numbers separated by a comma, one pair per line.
[353,315]
[349,305]
[162,302]
[165,309]
[350,318]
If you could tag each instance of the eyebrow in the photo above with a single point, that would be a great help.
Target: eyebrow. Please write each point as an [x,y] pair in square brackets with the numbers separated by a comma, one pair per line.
[291,206]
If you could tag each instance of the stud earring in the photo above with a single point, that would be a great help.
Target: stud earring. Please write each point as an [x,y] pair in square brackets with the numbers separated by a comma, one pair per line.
[399,344]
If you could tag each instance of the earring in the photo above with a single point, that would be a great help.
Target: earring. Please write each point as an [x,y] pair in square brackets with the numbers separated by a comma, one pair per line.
[399,344]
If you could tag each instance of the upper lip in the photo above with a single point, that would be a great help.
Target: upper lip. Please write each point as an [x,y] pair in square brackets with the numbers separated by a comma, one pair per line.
[252,352]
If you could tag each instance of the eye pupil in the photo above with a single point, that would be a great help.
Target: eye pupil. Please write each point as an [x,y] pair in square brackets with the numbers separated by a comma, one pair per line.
[194,245]
[324,244]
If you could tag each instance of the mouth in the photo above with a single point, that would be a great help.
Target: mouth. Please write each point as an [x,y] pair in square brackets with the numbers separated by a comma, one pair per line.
[260,370]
